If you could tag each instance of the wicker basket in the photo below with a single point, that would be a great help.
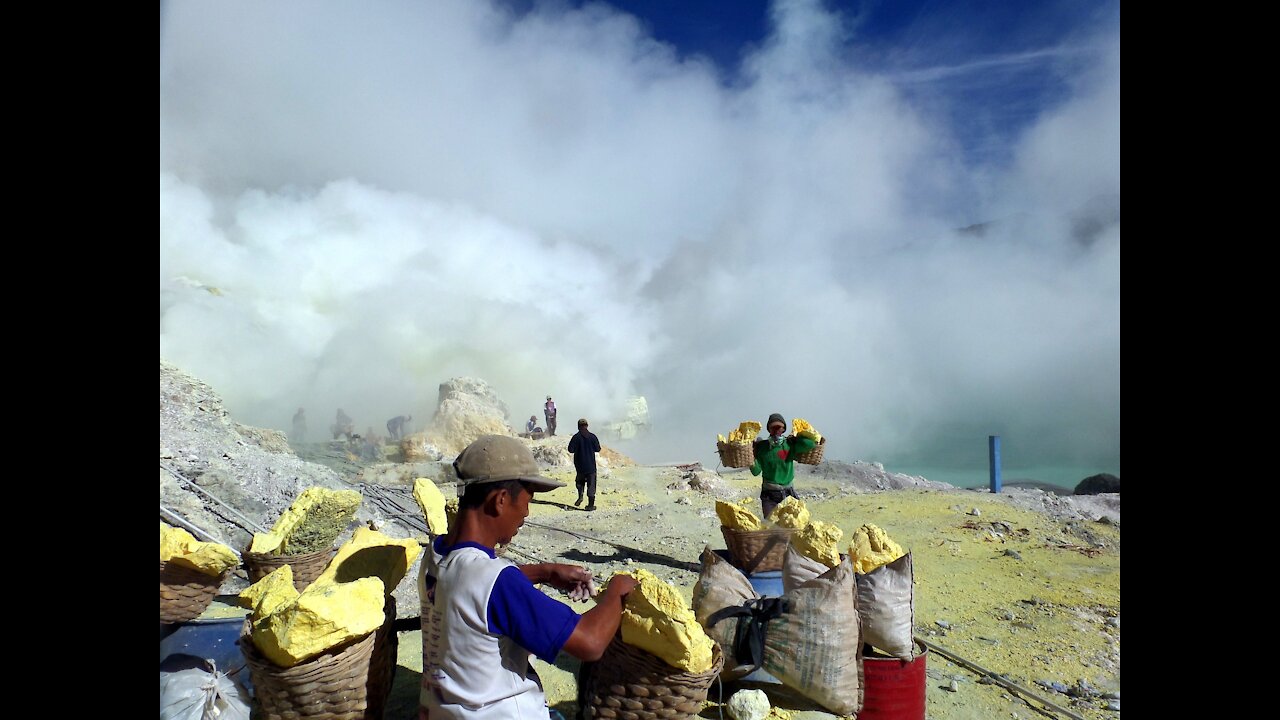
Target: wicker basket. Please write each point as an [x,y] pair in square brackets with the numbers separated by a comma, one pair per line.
[306,566]
[631,684]
[755,551]
[185,592]
[382,663]
[814,456]
[330,686]
[735,455]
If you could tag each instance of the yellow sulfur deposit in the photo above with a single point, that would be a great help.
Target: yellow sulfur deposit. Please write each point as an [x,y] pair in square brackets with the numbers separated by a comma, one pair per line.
[790,513]
[657,619]
[324,616]
[344,603]
[370,553]
[269,594]
[737,516]
[871,548]
[747,432]
[312,522]
[818,541]
[432,503]
[801,427]
[182,548]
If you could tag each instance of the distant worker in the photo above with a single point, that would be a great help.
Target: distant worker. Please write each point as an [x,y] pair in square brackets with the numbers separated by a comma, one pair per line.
[371,448]
[532,424]
[396,426]
[343,425]
[549,411]
[299,434]
[775,459]
[584,445]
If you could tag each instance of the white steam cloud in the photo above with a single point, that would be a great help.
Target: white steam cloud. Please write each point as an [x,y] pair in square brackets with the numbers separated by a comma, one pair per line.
[358,203]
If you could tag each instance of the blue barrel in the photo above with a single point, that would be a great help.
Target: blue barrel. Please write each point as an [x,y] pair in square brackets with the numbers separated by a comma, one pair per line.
[209,639]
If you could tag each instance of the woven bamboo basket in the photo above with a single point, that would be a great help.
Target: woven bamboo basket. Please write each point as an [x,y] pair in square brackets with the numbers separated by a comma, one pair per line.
[735,455]
[330,686]
[382,664]
[306,566]
[631,684]
[814,456]
[755,551]
[185,592]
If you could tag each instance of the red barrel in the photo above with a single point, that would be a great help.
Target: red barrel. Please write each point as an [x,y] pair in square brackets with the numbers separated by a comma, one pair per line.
[894,688]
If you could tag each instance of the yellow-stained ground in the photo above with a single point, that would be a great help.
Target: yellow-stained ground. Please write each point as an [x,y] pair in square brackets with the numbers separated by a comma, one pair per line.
[1043,616]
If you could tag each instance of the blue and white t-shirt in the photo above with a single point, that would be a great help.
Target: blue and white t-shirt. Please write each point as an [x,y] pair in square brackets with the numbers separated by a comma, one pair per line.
[481,620]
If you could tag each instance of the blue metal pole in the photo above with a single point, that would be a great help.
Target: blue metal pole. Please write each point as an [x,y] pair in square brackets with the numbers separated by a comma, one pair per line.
[993,447]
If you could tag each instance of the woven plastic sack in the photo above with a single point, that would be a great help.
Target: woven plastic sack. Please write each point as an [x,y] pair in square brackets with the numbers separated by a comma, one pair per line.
[886,600]
[196,693]
[810,638]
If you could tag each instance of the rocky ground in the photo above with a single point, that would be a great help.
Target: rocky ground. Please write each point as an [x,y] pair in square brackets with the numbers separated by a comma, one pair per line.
[1026,583]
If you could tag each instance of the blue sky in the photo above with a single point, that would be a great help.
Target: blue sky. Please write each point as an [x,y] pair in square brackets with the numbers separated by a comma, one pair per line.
[992,67]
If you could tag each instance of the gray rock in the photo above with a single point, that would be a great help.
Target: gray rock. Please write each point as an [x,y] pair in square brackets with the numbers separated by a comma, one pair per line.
[1013,554]
[1113,705]
[953,686]
[975,512]
[942,624]
[1114,622]
[1098,484]
[1111,695]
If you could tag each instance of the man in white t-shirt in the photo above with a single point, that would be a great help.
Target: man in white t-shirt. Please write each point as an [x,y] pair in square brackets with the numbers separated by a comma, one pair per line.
[482,617]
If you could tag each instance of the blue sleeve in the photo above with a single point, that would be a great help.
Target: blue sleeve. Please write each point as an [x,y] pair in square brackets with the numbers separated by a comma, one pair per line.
[573,444]
[534,621]
[596,441]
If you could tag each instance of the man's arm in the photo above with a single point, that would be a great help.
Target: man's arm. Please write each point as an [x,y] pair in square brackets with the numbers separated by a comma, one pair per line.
[595,441]
[573,443]
[596,628]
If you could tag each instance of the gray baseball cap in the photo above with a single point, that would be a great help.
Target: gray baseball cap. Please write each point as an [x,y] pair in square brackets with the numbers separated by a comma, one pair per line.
[493,458]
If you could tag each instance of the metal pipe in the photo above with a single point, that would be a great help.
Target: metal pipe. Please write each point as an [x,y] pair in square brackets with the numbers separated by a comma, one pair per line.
[993,455]
[249,525]
[1008,684]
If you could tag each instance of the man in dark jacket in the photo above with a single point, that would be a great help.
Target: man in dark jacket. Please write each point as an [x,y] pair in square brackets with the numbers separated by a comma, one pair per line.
[584,445]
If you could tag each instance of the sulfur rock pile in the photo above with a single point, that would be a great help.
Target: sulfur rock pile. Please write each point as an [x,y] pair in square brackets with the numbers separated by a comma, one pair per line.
[345,603]
[657,619]
[312,523]
[179,547]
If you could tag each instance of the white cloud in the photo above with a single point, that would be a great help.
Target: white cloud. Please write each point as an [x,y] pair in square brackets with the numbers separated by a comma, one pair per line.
[557,203]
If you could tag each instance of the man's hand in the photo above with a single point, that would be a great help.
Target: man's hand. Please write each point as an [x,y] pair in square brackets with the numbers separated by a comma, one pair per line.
[573,579]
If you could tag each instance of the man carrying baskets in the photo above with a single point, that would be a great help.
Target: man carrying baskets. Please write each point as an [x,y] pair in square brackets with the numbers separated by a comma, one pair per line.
[482,616]
[775,460]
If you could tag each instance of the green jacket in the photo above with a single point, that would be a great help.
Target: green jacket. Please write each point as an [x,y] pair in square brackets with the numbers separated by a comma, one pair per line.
[776,462]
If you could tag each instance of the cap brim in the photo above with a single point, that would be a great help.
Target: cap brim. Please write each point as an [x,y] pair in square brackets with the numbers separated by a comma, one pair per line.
[542,484]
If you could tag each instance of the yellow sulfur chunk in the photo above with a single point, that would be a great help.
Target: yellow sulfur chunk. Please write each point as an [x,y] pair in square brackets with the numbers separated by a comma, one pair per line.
[745,434]
[736,516]
[721,438]
[370,553]
[432,503]
[182,548]
[657,619]
[801,427]
[269,594]
[314,520]
[790,513]
[872,547]
[324,616]
[818,541]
